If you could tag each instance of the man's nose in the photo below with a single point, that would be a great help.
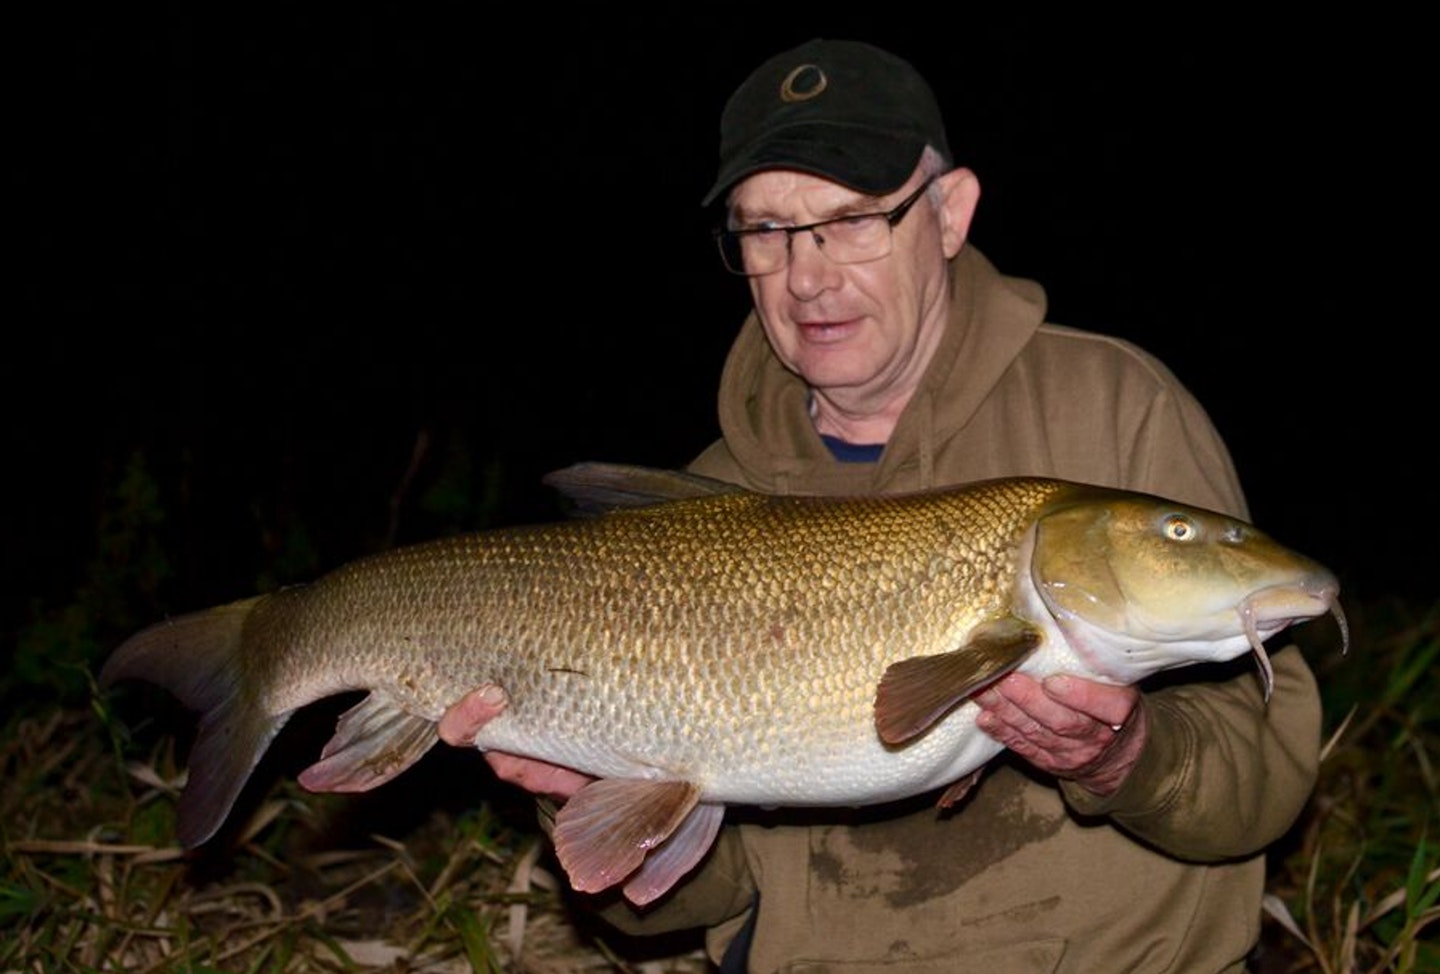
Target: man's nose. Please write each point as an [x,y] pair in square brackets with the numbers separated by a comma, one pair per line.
[810,272]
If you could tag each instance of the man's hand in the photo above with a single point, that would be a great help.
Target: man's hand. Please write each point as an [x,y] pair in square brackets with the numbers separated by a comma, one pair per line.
[477,708]
[1086,732]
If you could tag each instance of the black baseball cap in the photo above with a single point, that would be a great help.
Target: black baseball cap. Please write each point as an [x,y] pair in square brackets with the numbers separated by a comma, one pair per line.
[844,110]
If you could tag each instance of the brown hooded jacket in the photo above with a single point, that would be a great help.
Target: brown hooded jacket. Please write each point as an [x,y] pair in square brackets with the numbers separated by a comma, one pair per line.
[1027,874]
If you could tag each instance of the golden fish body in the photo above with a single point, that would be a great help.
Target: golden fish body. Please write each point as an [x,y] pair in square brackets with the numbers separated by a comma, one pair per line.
[732,648]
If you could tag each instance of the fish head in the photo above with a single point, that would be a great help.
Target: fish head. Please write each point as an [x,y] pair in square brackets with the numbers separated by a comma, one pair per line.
[1138,584]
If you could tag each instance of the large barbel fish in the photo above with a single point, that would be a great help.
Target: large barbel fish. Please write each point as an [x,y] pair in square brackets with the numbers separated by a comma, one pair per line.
[729,647]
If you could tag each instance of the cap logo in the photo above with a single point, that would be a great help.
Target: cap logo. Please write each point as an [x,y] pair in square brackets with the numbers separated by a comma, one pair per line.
[803,84]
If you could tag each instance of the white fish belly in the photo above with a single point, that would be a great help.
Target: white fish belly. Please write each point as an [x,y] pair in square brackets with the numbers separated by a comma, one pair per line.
[843,766]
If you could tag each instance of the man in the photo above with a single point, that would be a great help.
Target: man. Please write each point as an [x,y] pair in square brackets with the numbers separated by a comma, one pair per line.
[1124,829]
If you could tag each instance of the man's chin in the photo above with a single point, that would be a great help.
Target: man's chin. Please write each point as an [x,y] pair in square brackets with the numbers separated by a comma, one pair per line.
[833,376]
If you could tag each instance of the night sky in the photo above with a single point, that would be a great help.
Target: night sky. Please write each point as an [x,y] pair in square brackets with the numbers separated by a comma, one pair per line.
[274,254]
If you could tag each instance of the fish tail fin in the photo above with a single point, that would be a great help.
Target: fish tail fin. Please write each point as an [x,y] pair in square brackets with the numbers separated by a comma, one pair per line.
[198,658]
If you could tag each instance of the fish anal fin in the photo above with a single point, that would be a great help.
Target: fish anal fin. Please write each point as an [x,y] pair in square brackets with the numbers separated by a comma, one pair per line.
[604,832]
[676,856]
[374,741]
[916,693]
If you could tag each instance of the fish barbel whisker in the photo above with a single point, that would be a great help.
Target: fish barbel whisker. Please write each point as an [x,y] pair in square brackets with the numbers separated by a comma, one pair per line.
[1344,625]
[1262,658]
[1278,607]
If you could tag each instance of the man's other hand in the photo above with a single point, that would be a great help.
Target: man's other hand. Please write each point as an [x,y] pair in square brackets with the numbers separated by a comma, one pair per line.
[463,721]
[1086,732]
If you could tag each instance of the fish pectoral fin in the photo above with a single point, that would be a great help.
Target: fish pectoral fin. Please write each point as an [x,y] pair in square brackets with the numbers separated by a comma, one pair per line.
[374,741]
[604,832]
[915,693]
[676,856]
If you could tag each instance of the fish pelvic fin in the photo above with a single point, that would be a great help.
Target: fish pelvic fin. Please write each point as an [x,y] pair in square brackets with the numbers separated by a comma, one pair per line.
[197,657]
[605,832]
[374,741]
[676,856]
[914,694]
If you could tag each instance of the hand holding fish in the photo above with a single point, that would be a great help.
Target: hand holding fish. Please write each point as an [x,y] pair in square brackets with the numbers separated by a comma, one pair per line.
[1080,730]
[463,720]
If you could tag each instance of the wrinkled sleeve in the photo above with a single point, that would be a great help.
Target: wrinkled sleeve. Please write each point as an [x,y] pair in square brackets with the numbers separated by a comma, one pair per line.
[1223,773]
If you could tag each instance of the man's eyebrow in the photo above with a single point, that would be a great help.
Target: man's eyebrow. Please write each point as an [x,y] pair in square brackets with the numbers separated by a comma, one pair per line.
[861,204]
[739,217]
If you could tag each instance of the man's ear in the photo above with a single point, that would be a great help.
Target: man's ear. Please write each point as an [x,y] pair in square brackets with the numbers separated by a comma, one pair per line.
[959,194]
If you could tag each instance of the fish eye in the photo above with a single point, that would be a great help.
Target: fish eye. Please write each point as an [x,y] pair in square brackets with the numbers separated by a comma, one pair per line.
[1178,527]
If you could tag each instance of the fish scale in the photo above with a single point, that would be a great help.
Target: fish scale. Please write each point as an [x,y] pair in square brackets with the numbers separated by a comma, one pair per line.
[744,680]
[727,648]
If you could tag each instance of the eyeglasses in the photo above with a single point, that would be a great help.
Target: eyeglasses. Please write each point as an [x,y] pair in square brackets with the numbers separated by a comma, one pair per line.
[852,239]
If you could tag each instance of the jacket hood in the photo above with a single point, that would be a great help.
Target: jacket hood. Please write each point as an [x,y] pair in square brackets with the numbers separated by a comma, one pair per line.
[764,407]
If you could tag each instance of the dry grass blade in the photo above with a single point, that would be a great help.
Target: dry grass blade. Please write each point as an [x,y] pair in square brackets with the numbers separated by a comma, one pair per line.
[1275,908]
[456,895]
[1363,882]
[520,909]
[1336,737]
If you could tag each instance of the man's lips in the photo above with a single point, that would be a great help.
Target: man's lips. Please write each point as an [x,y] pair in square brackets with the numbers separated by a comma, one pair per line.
[828,330]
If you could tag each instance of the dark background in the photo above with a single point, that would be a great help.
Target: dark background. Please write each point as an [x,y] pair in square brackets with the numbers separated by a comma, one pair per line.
[335,280]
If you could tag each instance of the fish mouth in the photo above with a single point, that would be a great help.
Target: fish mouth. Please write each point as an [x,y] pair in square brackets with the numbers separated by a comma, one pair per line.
[1270,610]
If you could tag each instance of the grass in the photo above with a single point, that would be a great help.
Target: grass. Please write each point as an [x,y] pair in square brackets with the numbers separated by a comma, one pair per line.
[1360,885]
[92,880]
[422,876]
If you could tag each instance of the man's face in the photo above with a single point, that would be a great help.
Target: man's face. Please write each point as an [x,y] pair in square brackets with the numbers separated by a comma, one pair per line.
[860,334]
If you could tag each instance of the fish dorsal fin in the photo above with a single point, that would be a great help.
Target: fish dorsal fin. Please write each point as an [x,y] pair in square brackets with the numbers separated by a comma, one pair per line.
[676,856]
[595,488]
[374,741]
[915,693]
[604,832]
